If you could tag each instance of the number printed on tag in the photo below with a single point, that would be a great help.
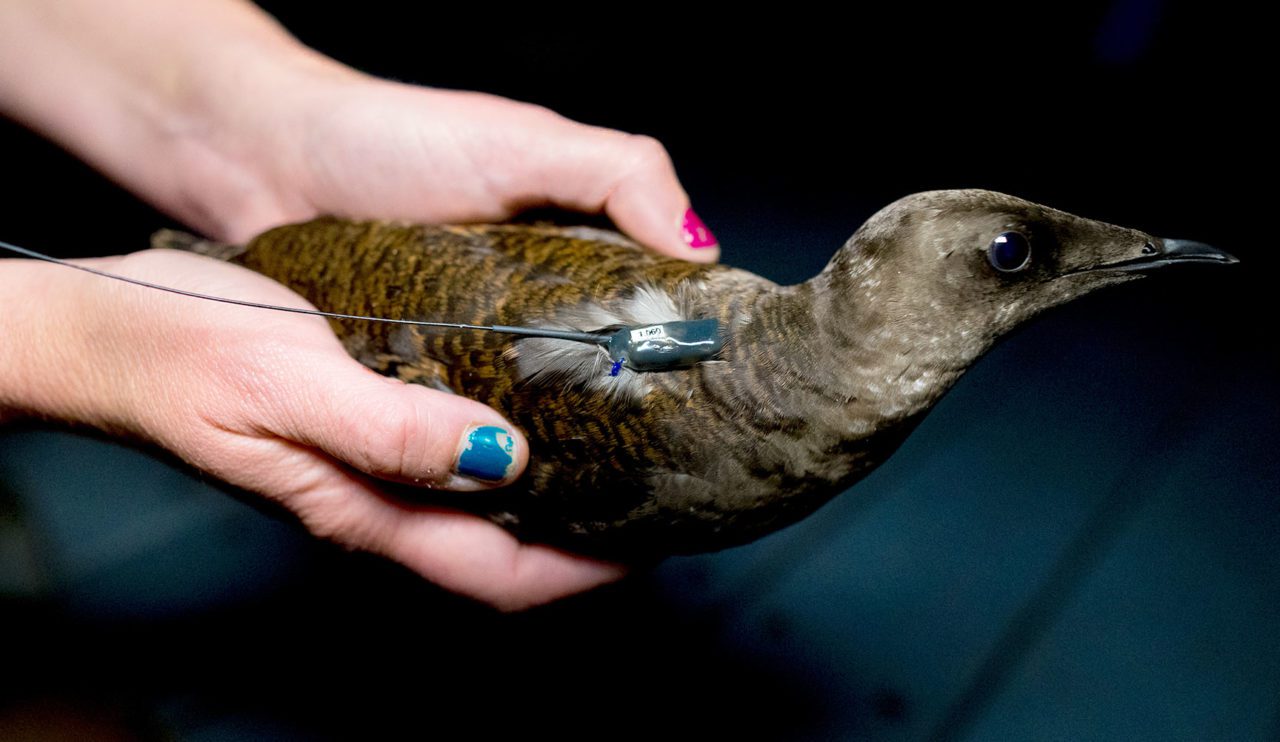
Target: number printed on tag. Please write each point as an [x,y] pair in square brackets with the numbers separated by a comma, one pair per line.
[648,333]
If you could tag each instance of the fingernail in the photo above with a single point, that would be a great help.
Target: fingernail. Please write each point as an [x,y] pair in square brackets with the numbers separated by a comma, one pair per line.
[696,233]
[488,453]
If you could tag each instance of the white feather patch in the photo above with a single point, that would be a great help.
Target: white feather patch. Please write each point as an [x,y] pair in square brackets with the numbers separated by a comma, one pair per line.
[549,361]
[591,234]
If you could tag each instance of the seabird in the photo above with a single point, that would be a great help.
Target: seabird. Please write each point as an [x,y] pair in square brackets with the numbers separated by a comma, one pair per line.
[811,388]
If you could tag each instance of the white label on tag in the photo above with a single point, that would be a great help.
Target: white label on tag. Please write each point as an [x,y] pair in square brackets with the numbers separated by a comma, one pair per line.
[648,333]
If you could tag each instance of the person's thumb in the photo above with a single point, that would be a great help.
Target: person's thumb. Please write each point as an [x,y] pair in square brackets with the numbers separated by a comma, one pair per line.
[407,433]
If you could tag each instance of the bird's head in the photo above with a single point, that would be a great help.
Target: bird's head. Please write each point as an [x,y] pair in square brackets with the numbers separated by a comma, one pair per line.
[944,273]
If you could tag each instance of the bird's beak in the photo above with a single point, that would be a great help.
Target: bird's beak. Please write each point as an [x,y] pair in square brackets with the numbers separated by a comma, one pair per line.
[1172,252]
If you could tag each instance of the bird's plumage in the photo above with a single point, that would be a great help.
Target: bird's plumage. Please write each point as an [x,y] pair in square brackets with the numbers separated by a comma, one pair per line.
[816,385]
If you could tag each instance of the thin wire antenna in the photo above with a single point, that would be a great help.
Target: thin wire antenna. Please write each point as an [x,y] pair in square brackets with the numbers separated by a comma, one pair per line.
[594,338]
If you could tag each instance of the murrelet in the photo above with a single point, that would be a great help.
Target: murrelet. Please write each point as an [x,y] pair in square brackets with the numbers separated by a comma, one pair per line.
[815,386]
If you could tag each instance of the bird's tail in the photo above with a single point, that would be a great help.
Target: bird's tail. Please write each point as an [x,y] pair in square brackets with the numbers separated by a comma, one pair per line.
[172,239]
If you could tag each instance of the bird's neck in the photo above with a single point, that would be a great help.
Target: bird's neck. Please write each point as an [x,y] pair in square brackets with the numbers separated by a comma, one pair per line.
[850,364]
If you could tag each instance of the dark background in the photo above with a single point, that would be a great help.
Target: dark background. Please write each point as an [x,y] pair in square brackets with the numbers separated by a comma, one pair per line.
[1080,542]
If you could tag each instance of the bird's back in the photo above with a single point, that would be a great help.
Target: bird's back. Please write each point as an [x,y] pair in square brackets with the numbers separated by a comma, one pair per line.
[482,274]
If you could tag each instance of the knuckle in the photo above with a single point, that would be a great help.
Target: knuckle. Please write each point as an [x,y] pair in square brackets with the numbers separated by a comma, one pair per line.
[327,522]
[647,153]
[335,520]
[398,440]
[416,436]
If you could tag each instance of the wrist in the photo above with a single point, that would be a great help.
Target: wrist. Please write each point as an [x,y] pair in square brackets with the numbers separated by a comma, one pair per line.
[43,370]
[157,95]
[234,162]
[88,351]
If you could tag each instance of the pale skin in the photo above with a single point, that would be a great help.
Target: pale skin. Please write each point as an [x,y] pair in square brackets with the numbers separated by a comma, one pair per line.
[211,111]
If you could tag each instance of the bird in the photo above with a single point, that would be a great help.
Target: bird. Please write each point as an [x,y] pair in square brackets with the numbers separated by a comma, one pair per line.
[811,386]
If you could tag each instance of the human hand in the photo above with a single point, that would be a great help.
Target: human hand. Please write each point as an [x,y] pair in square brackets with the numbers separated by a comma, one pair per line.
[234,392]
[349,145]
[209,110]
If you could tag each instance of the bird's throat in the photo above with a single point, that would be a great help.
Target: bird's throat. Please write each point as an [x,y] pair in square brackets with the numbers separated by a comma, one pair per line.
[843,364]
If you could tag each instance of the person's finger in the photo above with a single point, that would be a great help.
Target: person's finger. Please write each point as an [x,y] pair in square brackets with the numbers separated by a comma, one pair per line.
[401,432]
[472,556]
[642,202]
[631,179]
[459,552]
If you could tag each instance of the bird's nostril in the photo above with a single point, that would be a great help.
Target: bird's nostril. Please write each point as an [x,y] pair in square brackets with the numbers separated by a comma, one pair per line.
[1148,249]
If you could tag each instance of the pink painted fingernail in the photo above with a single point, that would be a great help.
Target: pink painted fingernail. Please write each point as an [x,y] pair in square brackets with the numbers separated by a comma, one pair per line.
[696,233]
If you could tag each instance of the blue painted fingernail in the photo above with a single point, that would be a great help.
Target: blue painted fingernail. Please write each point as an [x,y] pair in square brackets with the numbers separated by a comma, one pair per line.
[488,454]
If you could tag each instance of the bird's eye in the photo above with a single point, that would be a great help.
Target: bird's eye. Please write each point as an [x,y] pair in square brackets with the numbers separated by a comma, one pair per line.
[1010,252]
